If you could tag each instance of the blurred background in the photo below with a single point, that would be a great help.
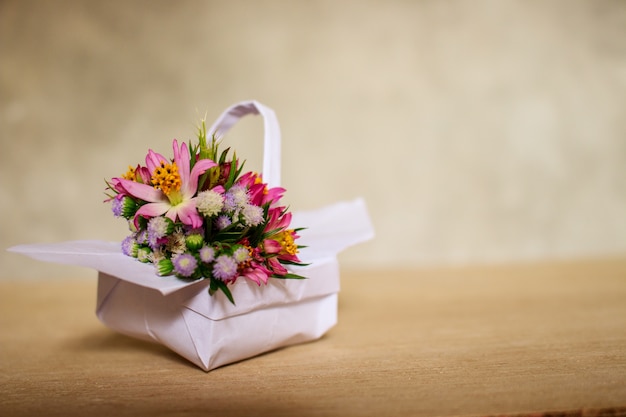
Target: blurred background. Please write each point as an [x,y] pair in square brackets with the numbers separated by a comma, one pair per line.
[476,131]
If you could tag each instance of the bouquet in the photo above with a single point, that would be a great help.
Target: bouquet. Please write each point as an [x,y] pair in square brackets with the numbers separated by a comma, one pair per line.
[197,216]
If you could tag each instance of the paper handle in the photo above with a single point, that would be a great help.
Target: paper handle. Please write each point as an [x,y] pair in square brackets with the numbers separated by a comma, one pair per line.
[271,145]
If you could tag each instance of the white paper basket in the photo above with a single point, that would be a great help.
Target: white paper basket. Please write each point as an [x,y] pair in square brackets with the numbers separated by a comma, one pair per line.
[209,330]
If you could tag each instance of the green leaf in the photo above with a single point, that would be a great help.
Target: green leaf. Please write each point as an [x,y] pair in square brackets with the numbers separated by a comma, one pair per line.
[212,287]
[226,237]
[287,262]
[192,156]
[203,179]
[222,286]
[289,276]
[234,172]
[223,156]
[268,235]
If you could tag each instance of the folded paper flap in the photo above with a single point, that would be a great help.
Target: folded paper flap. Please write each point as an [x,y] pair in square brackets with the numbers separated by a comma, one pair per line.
[322,279]
[165,310]
[105,287]
[105,257]
[331,229]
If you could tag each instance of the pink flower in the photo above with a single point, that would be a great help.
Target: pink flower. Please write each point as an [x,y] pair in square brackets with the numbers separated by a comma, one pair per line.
[173,186]
[281,244]
[254,268]
[258,191]
[278,219]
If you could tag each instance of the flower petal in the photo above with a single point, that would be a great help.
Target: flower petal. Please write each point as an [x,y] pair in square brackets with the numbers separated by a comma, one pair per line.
[153,209]
[153,160]
[150,210]
[276,221]
[276,266]
[273,195]
[142,191]
[255,274]
[188,188]
[187,213]
[181,158]
[271,246]
[144,174]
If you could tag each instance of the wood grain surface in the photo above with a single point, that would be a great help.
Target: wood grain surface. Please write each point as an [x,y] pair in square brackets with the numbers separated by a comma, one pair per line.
[482,340]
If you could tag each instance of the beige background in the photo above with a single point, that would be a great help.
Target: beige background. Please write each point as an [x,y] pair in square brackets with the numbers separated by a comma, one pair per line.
[478,132]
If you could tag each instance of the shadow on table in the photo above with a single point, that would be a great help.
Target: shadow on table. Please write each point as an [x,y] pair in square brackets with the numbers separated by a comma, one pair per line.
[107,342]
[117,347]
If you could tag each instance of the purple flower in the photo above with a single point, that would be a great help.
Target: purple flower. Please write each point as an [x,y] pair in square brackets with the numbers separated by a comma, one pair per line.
[129,246]
[236,198]
[225,268]
[184,264]
[207,254]
[241,254]
[252,215]
[116,206]
[158,228]
[123,206]
[142,237]
[222,222]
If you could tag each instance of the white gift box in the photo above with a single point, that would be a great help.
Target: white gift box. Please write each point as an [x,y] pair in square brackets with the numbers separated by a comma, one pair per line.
[207,329]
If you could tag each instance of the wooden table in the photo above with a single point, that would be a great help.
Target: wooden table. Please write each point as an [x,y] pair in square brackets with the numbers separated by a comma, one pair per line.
[493,340]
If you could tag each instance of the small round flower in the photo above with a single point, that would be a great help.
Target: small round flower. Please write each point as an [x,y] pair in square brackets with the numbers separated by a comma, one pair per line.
[229,203]
[240,193]
[176,243]
[222,222]
[194,241]
[116,207]
[129,246]
[236,198]
[124,207]
[184,264]
[158,228]
[225,268]
[241,254]
[157,255]
[131,226]
[142,237]
[144,254]
[209,203]
[164,267]
[252,215]
[207,254]
[193,231]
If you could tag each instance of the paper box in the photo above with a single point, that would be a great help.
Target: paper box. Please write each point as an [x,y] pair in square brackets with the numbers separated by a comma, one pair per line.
[209,330]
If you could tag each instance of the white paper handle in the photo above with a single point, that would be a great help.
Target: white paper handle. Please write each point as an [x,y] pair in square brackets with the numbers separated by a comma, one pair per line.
[271,146]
